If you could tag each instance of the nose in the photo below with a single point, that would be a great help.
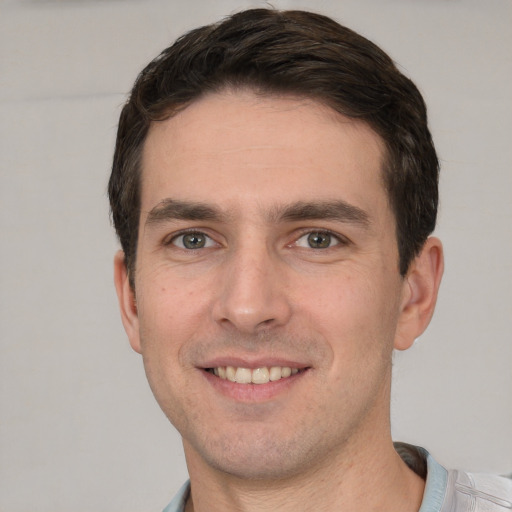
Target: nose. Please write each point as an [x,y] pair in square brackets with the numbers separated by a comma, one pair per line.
[253,294]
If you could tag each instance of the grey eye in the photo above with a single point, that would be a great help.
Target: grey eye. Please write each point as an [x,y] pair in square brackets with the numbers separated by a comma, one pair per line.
[194,240]
[319,240]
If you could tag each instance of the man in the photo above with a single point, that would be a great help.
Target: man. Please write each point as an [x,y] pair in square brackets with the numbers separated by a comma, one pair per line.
[274,187]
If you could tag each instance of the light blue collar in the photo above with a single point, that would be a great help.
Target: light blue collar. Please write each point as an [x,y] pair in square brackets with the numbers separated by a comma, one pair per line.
[178,502]
[436,484]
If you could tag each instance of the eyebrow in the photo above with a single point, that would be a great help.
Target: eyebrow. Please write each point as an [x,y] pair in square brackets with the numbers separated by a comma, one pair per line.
[172,209]
[337,210]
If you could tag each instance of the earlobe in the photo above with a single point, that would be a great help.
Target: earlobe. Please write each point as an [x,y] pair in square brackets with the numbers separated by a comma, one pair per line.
[127,302]
[421,286]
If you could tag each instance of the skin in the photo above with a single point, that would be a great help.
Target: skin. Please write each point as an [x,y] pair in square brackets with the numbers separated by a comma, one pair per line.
[236,169]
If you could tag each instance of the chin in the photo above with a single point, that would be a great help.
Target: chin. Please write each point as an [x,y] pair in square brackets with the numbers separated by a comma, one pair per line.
[250,457]
[260,466]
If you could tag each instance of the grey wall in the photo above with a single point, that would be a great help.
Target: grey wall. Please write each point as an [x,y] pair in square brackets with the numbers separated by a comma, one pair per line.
[79,429]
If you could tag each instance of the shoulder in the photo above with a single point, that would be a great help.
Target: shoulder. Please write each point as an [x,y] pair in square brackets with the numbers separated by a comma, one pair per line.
[478,492]
[453,490]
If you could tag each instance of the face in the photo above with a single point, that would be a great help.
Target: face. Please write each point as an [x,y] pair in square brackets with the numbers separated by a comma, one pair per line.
[268,296]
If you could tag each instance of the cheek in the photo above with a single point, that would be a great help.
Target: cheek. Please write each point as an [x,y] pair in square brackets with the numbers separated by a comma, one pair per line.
[171,306]
[167,322]
[354,312]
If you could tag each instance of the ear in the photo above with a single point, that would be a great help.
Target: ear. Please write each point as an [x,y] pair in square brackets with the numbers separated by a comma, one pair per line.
[127,302]
[419,294]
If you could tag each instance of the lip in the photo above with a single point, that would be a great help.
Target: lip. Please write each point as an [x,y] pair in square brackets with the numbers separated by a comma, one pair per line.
[253,393]
[248,362]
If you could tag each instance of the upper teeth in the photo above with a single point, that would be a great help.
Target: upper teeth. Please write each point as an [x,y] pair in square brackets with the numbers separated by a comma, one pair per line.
[255,376]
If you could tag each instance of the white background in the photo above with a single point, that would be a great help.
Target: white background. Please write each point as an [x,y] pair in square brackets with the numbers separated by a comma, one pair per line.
[79,429]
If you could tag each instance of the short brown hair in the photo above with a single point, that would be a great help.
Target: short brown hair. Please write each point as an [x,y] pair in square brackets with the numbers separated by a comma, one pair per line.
[286,52]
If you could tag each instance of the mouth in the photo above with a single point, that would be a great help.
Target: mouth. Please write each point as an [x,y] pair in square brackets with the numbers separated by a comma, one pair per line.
[261,375]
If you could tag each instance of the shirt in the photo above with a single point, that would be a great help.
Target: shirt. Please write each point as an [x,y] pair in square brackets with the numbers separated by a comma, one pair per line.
[445,490]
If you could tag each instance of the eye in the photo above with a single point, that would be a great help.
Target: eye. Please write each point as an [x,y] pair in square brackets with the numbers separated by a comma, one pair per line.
[318,240]
[192,240]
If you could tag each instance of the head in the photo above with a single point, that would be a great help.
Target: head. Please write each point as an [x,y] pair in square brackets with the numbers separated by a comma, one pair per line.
[292,53]
[274,185]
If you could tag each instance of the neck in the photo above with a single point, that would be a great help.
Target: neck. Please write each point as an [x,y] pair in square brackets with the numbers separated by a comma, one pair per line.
[360,480]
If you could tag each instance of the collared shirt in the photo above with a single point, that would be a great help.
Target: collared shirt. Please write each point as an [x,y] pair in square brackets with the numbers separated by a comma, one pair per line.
[445,490]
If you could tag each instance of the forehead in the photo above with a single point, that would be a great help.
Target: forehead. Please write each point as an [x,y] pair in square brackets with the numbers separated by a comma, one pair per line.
[240,146]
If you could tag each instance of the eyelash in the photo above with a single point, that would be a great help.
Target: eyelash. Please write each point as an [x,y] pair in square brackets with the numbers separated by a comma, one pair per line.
[339,239]
[181,234]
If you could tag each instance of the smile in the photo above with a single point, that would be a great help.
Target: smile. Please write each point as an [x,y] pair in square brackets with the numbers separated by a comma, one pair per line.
[261,375]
